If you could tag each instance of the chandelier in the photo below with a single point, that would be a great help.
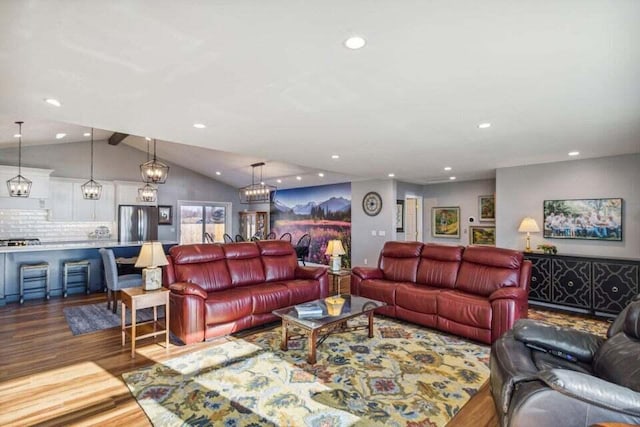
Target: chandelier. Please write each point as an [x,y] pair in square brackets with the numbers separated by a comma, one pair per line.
[19,186]
[91,190]
[154,171]
[257,192]
[147,193]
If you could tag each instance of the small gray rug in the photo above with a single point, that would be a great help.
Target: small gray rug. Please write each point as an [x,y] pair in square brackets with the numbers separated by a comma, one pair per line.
[95,317]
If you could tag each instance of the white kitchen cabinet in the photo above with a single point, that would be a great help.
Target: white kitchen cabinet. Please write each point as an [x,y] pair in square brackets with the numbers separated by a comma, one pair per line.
[61,199]
[39,188]
[106,206]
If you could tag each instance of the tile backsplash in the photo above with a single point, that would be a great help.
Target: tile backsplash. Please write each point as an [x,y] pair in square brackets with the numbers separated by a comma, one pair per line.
[34,223]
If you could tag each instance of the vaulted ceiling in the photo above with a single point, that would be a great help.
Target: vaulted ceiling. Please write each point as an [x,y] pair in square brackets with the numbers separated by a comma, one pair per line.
[273,80]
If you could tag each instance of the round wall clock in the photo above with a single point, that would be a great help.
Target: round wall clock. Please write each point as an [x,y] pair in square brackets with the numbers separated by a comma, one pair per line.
[372,203]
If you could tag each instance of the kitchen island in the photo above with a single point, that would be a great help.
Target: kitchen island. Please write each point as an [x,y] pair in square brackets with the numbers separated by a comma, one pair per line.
[56,253]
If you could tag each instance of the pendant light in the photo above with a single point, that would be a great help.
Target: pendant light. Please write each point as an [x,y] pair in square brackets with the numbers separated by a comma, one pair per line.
[19,186]
[91,190]
[257,192]
[147,193]
[154,171]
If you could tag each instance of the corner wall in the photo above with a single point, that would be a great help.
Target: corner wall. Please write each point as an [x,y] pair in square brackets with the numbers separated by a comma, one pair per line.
[522,190]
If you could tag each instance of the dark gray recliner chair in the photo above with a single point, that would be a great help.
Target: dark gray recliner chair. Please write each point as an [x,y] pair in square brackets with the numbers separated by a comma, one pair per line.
[550,376]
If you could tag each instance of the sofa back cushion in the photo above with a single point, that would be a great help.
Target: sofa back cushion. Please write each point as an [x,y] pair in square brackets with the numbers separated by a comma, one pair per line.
[399,261]
[244,263]
[202,264]
[486,269]
[439,265]
[279,259]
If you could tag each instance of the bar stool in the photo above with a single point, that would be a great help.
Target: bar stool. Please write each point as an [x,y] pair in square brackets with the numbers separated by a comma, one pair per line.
[43,269]
[76,268]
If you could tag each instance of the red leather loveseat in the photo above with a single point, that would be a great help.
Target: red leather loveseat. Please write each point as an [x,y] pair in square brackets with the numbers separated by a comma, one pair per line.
[220,289]
[476,292]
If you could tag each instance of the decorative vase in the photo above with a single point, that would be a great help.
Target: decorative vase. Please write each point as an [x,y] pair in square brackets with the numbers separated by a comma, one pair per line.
[334,305]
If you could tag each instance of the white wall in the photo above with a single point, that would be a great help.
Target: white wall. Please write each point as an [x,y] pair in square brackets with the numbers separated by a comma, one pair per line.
[404,190]
[122,162]
[463,194]
[365,246]
[522,190]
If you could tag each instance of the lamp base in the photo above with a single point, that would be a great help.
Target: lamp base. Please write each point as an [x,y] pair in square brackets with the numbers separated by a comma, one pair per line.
[528,244]
[335,263]
[151,278]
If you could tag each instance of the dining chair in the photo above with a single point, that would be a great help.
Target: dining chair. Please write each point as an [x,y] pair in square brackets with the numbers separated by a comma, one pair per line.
[208,238]
[114,282]
[227,238]
[239,238]
[302,247]
[286,236]
[271,236]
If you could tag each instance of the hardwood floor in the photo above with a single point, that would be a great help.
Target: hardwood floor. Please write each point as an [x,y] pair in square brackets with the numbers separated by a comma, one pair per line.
[50,377]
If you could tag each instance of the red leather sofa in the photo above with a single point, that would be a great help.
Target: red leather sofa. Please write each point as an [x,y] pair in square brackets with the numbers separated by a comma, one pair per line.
[477,292]
[220,289]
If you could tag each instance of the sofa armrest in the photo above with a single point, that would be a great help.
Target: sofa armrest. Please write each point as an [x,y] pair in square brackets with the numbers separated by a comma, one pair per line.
[562,342]
[368,273]
[310,273]
[188,288]
[509,292]
[592,390]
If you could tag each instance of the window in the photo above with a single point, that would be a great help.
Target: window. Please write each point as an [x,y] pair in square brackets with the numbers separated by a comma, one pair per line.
[198,218]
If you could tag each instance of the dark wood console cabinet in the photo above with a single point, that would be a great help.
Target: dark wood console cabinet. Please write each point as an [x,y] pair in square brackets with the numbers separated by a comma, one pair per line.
[600,286]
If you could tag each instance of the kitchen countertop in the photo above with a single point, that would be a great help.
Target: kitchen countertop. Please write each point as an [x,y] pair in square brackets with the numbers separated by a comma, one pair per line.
[85,244]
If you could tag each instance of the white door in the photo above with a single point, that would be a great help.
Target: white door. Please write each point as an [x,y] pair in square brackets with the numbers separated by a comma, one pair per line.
[412,220]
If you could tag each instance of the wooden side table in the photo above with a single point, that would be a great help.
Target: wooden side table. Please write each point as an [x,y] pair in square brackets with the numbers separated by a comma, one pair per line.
[336,279]
[136,299]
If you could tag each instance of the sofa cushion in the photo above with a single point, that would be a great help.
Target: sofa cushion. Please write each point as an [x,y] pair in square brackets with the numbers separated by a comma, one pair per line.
[244,263]
[420,298]
[439,265]
[278,258]
[302,290]
[268,297]
[399,260]
[380,290]
[196,254]
[210,276]
[466,309]
[228,305]
[485,269]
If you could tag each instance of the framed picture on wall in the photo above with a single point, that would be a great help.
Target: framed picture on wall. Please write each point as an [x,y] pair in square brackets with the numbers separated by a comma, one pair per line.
[165,215]
[587,219]
[482,235]
[445,222]
[487,208]
[400,216]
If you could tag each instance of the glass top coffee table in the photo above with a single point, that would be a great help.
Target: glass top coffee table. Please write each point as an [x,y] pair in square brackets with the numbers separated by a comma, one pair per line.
[353,306]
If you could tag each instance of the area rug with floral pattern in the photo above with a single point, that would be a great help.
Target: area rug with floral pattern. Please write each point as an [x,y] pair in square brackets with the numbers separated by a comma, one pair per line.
[404,376]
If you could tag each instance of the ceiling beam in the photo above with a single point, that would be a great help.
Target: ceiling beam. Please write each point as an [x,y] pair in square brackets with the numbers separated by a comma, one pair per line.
[117,138]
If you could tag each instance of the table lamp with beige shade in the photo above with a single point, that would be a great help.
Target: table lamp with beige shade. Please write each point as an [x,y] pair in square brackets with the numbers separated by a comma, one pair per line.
[151,257]
[528,225]
[335,250]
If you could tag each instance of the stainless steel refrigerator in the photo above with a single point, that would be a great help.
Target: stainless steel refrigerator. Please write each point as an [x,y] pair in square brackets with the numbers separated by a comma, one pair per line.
[137,223]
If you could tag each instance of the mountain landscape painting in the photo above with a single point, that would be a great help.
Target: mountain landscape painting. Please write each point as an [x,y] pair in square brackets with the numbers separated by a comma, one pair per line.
[323,212]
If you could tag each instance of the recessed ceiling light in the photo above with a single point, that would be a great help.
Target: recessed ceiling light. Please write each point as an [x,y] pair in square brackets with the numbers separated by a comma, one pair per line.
[147,139]
[391,175]
[355,42]
[199,126]
[218,173]
[299,178]
[484,125]
[60,135]
[335,156]
[53,102]
[447,168]
[320,174]
[17,135]
[86,134]
[574,153]
[452,178]
[279,181]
